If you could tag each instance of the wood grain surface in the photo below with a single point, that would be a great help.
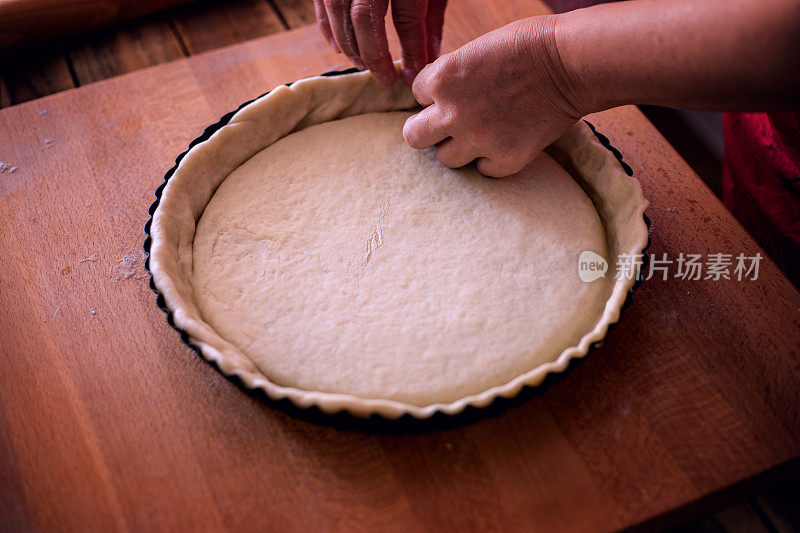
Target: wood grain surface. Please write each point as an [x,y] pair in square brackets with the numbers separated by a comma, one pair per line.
[107,421]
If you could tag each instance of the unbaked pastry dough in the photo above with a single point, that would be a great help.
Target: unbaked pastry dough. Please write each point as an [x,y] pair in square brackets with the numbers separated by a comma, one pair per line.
[305,249]
[341,260]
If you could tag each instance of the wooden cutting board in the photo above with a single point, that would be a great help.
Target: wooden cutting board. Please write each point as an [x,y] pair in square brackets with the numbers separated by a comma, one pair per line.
[107,421]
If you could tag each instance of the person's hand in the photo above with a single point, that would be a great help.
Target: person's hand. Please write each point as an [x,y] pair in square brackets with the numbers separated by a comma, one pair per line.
[357,28]
[500,99]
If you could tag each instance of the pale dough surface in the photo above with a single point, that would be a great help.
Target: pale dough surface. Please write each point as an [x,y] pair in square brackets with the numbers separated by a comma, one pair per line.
[340,260]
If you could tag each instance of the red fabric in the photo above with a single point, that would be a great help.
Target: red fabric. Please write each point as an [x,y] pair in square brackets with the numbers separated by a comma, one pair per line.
[761,182]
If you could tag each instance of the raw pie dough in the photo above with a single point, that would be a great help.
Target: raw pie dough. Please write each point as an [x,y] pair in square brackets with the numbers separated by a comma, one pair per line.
[370,269]
[334,265]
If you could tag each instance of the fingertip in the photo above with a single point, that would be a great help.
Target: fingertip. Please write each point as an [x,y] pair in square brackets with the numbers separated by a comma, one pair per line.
[411,132]
[407,135]
[434,49]
[408,75]
[383,76]
[412,65]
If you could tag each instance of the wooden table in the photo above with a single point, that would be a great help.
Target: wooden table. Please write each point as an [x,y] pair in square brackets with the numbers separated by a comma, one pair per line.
[107,421]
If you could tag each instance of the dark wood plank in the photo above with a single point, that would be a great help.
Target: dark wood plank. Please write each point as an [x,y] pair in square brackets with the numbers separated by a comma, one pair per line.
[131,46]
[207,24]
[26,22]
[5,95]
[740,518]
[781,503]
[295,12]
[116,424]
[32,74]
